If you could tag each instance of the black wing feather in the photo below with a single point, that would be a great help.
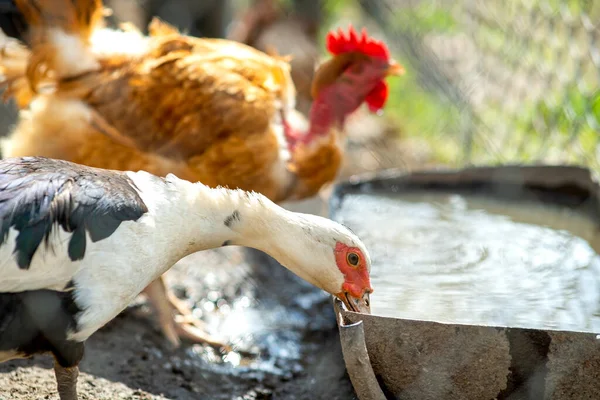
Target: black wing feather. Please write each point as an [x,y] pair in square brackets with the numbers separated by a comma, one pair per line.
[38,193]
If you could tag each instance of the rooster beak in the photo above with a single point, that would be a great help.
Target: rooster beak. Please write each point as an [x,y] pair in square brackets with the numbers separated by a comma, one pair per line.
[360,305]
[394,69]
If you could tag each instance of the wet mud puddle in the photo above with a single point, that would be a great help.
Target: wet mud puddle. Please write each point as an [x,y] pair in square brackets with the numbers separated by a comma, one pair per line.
[451,258]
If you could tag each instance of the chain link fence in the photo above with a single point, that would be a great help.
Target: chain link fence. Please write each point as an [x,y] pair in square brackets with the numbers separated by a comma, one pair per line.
[500,81]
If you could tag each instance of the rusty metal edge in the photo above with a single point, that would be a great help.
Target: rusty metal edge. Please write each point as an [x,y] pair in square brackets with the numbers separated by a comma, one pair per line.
[356,357]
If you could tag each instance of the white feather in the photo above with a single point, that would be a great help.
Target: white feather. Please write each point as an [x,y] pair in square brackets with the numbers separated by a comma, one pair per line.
[182,218]
[106,42]
[50,268]
[72,55]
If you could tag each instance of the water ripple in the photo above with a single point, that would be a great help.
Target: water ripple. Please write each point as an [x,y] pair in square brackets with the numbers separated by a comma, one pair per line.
[473,260]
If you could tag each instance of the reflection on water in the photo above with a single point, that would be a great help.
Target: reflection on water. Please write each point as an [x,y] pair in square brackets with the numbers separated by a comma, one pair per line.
[450,258]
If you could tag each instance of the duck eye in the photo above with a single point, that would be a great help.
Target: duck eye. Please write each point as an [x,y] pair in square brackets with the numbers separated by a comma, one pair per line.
[353,259]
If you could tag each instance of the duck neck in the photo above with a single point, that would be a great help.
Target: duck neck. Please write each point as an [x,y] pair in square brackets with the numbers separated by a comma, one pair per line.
[220,217]
[200,218]
[223,217]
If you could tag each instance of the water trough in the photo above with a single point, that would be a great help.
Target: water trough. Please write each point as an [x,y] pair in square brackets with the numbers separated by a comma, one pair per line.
[411,359]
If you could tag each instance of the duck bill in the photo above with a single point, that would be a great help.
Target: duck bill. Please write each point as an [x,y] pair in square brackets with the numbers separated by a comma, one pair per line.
[394,69]
[359,305]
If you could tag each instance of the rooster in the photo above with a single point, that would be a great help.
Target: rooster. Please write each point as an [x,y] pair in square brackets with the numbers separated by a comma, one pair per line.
[208,110]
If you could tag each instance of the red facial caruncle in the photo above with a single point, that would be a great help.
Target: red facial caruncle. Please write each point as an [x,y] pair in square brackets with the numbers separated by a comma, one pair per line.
[339,43]
[353,264]
[354,75]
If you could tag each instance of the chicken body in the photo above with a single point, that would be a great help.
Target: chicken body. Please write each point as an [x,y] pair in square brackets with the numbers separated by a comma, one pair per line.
[207,110]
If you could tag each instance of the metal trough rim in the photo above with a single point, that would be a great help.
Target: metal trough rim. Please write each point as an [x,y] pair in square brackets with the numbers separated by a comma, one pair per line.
[539,175]
[352,336]
[356,357]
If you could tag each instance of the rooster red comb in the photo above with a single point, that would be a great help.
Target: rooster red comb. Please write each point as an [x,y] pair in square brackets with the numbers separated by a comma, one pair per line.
[339,43]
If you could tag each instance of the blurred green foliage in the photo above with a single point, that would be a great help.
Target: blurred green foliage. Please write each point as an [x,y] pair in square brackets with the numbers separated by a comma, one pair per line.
[425,17]
[557,45]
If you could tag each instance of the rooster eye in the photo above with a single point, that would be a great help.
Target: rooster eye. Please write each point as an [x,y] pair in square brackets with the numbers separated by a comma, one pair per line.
[353,259]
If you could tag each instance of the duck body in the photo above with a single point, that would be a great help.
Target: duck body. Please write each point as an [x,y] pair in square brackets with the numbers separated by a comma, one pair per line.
[77,244]
[75,250]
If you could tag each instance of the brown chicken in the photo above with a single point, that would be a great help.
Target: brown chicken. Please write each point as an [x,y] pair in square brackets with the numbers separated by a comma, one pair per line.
[207,110]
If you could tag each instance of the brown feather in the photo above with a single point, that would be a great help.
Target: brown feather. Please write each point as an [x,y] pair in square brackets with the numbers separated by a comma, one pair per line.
[158,27]
[179,104]
[200,108]
[316,166]
[79,17]
[13,64]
